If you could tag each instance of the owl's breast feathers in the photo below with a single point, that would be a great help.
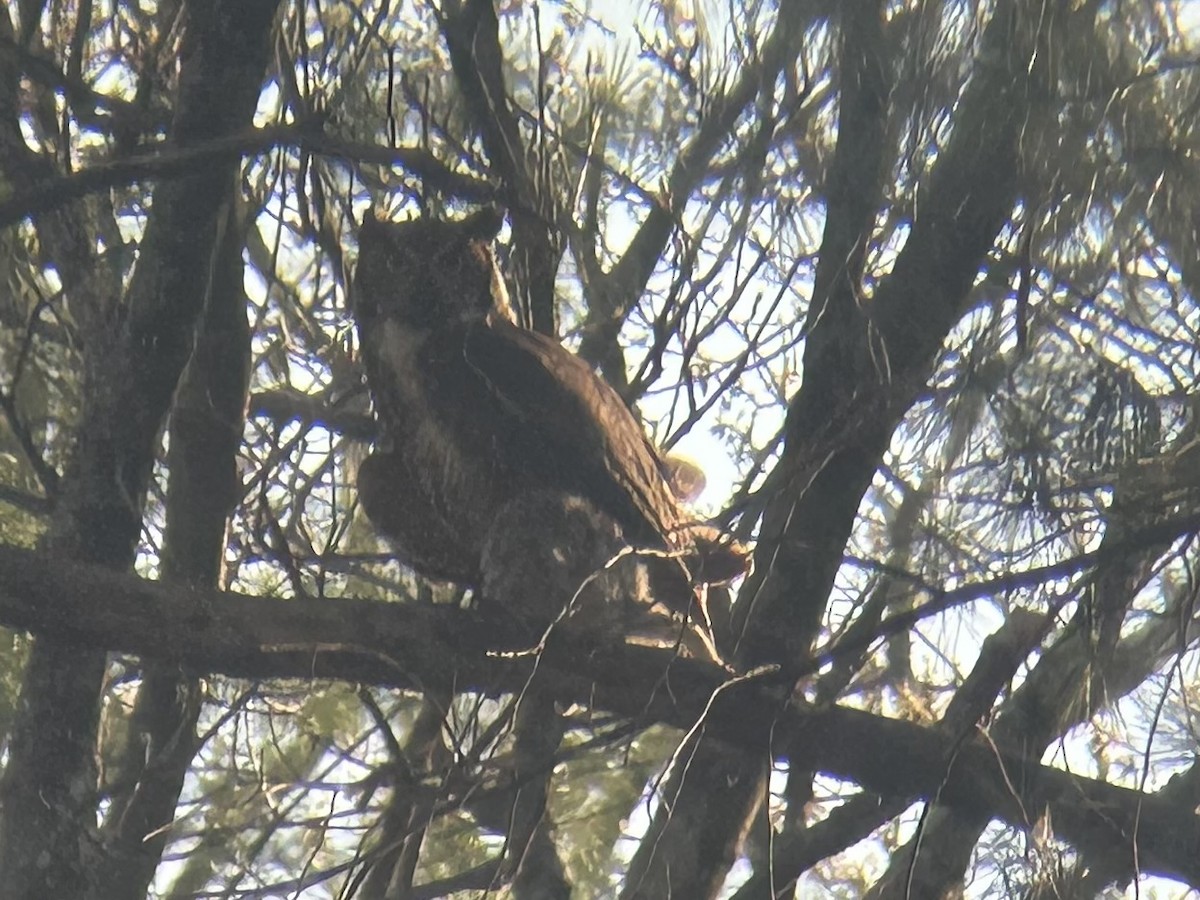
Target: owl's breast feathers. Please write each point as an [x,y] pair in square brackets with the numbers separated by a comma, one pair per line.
[475,412]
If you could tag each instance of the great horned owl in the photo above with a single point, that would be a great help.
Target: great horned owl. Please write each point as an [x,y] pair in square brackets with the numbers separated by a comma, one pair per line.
[476,412]
[414,279]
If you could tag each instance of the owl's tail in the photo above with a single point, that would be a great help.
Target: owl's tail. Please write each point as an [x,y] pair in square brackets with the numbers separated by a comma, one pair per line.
[713,556]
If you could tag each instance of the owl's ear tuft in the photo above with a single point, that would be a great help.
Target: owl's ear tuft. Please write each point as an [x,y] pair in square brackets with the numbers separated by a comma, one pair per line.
[485,224]
[375,249]
[371,224]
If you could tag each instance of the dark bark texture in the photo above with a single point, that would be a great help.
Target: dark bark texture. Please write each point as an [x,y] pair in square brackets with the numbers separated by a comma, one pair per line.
[135,355]
[205,432]
[918,275]
[389,644]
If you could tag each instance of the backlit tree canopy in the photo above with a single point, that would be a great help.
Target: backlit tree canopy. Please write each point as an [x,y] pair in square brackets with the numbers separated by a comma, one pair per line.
[914,283]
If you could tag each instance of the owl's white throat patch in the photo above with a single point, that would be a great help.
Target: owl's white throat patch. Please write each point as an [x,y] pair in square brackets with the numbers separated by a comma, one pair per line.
[399,347]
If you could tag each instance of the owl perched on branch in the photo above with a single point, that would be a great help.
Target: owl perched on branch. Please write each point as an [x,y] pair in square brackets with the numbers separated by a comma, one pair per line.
[478,414]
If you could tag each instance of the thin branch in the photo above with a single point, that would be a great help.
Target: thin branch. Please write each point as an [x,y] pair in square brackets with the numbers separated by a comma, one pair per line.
[172,161]
[396,644]
[30,503]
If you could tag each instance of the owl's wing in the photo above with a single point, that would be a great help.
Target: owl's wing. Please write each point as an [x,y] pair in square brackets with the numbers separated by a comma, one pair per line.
[400,505]
[558,421]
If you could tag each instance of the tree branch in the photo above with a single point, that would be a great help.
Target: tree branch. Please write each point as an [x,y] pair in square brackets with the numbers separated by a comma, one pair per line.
[408,646]
[132,365]
[284,404]
[841,420]
[172,161]
[472,33]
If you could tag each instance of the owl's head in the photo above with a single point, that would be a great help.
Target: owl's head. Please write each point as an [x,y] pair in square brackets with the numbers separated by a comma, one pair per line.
[426,272]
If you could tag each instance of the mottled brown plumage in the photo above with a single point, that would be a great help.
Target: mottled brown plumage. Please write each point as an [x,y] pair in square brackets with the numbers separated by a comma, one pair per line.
[476,412]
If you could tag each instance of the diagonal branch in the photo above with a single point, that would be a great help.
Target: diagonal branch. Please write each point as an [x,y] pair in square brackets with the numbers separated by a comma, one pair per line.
[394,644]
[841,420]
[175,161]
[611,294]
[702,831]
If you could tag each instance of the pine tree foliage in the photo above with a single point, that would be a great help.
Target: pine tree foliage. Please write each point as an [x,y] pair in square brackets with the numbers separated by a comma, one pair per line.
[917,284]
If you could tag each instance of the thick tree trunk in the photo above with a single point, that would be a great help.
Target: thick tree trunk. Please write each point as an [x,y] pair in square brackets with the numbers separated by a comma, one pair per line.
[205,432]
[698,829]
[48,844]
[697,837]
